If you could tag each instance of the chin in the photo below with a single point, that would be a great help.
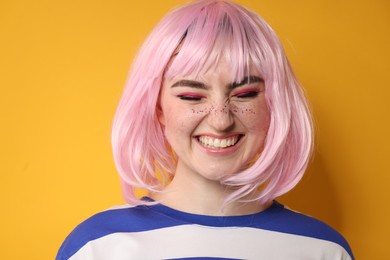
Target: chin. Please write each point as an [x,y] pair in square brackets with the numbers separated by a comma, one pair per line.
[219,175]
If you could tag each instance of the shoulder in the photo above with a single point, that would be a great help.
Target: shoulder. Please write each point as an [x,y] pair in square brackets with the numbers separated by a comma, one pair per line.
[114,220]
[291,222]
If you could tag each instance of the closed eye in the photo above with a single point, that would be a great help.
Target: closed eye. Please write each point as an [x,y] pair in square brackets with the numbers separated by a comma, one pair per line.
[247,94]
[190,97]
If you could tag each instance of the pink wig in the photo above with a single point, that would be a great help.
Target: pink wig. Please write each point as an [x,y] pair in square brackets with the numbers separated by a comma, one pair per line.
[207,31]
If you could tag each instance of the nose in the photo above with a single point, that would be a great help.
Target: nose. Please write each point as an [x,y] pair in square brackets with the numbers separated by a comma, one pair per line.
[220,118]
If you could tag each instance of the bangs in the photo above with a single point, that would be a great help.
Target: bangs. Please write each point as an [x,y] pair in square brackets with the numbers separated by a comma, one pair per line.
[188,42]
[218,33]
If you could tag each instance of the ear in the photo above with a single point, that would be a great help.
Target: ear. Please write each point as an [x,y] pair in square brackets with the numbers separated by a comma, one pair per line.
[160,114]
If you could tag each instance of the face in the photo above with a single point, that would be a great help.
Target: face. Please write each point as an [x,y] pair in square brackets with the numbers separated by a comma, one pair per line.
[215,126]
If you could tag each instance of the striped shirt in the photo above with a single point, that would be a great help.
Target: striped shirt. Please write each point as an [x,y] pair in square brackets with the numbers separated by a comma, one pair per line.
[160,232]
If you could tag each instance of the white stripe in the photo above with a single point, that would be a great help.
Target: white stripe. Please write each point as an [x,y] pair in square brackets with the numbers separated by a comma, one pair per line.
[123,206]
[197,241]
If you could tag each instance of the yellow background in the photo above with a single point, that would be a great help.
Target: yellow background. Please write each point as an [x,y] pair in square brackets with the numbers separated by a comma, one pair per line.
[63,65]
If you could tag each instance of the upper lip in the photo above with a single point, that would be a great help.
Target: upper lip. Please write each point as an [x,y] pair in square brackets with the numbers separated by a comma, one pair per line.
[218,136]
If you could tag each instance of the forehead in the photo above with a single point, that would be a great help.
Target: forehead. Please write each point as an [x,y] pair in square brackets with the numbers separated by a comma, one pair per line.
[196,55]
[221,71]
[215,61]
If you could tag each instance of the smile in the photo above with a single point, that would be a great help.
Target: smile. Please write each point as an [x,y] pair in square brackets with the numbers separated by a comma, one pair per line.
[212,142]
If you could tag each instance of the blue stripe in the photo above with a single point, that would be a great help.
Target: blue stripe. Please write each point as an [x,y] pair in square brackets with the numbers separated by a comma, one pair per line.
[275,218]
[143,218]
[134,219]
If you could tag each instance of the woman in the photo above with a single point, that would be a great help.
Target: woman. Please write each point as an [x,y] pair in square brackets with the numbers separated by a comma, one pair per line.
[215,126]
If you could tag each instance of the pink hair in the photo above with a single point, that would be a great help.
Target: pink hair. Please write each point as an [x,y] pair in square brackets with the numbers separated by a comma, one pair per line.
[207,31]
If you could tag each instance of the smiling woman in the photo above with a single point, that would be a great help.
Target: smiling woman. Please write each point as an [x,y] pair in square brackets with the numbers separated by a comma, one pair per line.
[215,126]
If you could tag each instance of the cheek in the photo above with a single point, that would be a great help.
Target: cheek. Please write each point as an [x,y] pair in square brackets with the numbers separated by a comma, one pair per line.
[254,116]
[181,120]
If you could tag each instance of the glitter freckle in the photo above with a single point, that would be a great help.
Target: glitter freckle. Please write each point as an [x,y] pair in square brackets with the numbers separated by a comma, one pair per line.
[225,110]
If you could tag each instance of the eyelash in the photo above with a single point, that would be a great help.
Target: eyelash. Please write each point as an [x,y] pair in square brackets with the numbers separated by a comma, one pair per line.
[247,94]
[244,94]
[190,97]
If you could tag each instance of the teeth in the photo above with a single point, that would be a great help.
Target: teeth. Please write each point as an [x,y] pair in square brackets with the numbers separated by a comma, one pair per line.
[217,143]
[228,142]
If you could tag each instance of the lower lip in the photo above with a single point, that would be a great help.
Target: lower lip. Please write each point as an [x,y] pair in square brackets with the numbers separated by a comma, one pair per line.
[219,151]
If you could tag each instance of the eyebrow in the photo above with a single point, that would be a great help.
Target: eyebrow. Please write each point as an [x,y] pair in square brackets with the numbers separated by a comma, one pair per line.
[246,80]
[200,85]
[189,83]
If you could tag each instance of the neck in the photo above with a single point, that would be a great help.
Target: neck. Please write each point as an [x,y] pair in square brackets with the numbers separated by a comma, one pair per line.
[195,194]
